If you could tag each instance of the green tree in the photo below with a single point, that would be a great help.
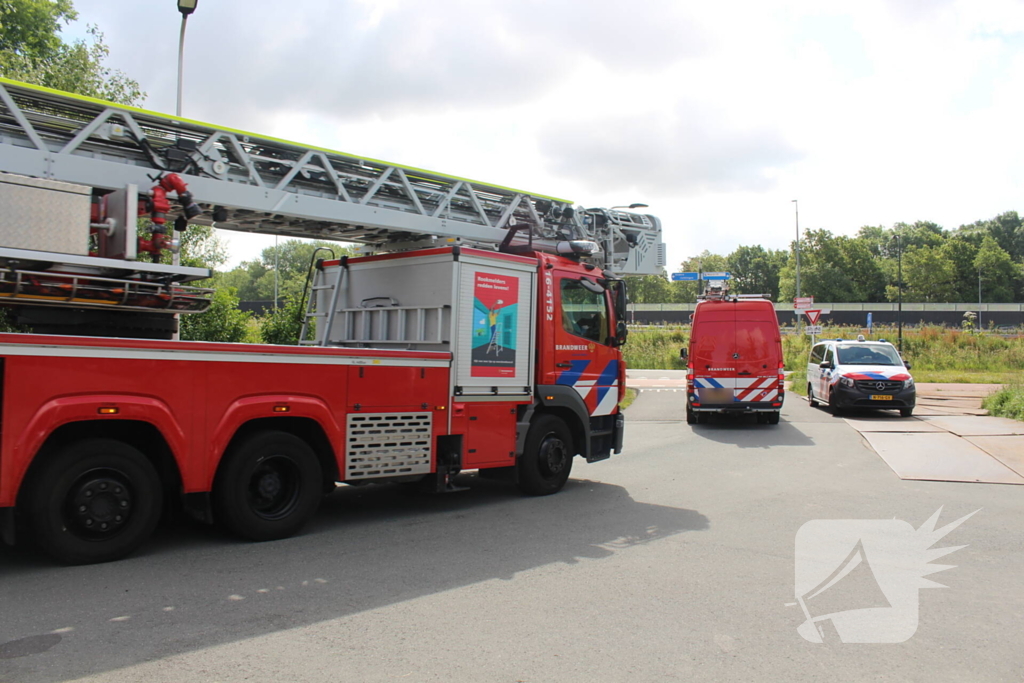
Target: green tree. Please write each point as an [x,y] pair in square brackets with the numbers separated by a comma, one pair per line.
[255,279]
[648,289]
[928,276]
[32,50]
[755,270]
[222,322]
[1007,229]
[962,253]
[282,325]
[999,275]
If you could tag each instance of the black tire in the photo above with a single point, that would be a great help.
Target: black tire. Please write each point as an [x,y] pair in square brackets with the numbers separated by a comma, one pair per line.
[702,418]
[906,412]
[546,462]
[833,405]
[269,485]
[691,417]
[96,500]
[811,401]
[772,418]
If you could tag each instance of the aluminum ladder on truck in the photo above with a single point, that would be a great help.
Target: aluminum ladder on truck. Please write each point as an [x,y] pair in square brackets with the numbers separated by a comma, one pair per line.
[255,183]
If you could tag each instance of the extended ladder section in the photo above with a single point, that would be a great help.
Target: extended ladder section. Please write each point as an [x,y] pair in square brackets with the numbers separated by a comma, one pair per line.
[260,184]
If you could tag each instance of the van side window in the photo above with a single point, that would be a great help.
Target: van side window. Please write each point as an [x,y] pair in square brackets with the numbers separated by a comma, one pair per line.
[817,353]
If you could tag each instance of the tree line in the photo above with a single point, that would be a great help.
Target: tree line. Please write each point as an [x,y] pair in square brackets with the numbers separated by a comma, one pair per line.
[938,266]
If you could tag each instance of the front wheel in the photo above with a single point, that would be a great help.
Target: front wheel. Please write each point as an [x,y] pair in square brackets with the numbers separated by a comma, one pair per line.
[96,500]
[547,459]
[268,487]
[833,404]
[906,412]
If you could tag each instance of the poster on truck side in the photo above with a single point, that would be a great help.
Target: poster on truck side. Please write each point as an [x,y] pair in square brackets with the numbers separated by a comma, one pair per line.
[495,319]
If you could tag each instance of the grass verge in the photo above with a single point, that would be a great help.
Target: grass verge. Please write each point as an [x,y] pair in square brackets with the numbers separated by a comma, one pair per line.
[1008,402]
[629,398]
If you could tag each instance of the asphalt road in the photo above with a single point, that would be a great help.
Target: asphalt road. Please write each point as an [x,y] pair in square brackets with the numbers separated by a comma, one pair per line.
[671,561]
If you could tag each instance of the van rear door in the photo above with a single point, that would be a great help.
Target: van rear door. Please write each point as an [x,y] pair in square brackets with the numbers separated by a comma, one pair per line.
[713,345]
[758,352]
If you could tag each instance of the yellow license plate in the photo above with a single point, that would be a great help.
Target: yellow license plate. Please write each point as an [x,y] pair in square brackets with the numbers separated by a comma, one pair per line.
[881,397]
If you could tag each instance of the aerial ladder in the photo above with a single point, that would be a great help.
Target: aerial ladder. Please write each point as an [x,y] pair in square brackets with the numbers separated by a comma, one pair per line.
[130,162]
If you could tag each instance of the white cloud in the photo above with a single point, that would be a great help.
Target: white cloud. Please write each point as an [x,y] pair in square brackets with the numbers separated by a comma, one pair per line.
[715,115]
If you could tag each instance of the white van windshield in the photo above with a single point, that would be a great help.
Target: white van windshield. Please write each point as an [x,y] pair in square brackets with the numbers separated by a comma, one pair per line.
[868,355]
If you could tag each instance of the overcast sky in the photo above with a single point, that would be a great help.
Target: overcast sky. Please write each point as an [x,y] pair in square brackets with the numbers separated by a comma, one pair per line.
[717,115]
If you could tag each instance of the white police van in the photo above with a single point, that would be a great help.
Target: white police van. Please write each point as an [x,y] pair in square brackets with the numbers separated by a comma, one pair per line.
[849,373]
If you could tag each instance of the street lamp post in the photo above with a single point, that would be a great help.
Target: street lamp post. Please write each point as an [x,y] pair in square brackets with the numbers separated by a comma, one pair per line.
[186,7]
[796,206]
[979,300]
[899,288]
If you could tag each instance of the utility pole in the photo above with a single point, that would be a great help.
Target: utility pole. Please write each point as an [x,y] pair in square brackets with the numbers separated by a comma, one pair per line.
[796,206]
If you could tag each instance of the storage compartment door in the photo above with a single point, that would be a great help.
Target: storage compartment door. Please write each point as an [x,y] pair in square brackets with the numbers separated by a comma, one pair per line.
[495,330]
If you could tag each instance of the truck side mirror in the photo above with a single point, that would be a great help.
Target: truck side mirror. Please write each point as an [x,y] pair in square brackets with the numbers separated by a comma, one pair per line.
[906,365]
[825,365]
[682,354]
[621,332]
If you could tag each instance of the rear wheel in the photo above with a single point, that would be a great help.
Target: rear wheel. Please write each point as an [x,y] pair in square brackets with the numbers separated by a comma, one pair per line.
[813,402]
[547,459]
[96,500]
[269,485]
[772,418]
[691,417]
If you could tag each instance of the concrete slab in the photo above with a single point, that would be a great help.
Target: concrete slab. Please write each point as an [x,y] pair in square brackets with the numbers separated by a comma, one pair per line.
[1009,450]
[939,457]
[971,425]
[881,424]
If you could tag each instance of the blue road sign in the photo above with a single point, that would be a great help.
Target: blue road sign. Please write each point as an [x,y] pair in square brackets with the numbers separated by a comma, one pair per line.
[714,276]
[682,277]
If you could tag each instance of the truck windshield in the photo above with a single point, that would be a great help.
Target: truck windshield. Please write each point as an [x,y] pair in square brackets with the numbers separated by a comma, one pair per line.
[868,355]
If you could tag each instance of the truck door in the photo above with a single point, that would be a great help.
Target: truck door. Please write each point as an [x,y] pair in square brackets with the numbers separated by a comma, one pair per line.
[584,357]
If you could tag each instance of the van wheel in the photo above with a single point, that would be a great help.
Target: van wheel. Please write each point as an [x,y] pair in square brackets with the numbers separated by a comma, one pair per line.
[833,404]
[269,485]
[702,418]
[772,418]
[906,412]
[547,459]
[811,401]
[691,417]
[97,500]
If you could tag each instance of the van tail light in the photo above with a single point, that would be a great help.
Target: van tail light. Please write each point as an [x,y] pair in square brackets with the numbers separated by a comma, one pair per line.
[689,373]
[782,377]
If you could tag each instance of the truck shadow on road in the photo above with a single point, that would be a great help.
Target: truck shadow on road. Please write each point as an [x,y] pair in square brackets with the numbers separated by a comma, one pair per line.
[192,588]
[743,431]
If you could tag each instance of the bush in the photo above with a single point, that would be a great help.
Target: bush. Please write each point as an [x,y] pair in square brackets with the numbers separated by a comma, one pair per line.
[221,322]
[1008,402]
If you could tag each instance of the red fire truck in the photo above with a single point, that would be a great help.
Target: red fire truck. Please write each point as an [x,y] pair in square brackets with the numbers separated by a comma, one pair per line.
[481,330]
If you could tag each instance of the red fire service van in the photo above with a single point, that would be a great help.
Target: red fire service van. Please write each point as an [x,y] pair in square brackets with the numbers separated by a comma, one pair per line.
[734,359]
[480,329]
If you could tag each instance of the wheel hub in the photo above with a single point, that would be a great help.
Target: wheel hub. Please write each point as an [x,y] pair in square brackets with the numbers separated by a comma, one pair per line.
[99,504]
[553,455]
[274,487]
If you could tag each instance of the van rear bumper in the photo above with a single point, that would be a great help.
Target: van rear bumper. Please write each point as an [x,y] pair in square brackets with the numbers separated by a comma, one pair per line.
[737,407]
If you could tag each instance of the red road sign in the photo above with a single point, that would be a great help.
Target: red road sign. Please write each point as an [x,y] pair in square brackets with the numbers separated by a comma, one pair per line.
[803,302]
[812,316]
